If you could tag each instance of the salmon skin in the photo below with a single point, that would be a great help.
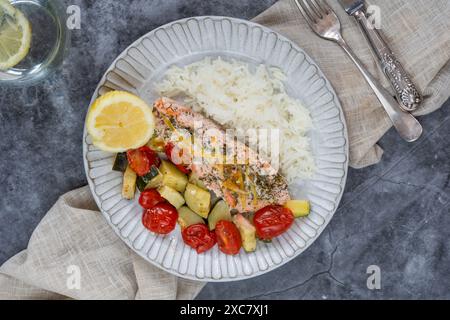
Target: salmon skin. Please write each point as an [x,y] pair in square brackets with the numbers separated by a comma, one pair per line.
[226,166]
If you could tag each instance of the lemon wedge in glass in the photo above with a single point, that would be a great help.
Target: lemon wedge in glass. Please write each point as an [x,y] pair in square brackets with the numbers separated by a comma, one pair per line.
[119,121]
[15,35]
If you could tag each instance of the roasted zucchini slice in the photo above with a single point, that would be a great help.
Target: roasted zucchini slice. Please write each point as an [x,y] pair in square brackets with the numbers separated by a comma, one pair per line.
[300,208]
[198,200]
[171,195]
[220,212]
[172,177]
[187,217]
[144,181]
[155,182]
[248,232]
[129,184]
[121,162]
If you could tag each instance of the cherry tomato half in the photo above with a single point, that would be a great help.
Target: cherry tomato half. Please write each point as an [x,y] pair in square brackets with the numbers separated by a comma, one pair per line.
[199,237]
[228,237]
[161,219]
[149,198]
[142,159]
[272,221]
[176,159]
[152,156]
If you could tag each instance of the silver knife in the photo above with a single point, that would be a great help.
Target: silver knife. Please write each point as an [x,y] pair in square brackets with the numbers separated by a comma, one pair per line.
[406,92]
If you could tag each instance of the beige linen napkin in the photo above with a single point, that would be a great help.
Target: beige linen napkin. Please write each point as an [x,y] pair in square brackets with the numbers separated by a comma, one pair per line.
[74,253]
[418,31]
[74,239]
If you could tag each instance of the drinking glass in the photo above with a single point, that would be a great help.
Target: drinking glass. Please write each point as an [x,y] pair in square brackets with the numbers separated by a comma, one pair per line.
[49,41]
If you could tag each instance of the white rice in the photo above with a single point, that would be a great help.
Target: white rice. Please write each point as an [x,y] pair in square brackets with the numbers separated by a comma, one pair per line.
[234,96]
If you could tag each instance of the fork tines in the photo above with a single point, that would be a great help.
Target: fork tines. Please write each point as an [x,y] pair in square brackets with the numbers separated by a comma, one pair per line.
[313,10]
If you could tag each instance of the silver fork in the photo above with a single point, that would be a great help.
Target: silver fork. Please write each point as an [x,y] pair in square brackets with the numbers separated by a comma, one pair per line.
[325,23]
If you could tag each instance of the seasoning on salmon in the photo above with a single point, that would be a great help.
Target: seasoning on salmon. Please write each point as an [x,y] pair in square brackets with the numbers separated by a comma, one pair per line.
[227,166]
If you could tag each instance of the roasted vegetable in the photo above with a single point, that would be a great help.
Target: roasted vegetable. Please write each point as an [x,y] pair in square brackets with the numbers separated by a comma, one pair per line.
[143,182]
[141,160]
[198,237]
[171,195]
[214,199]
[172,177]
[121,162]
[150,198]
[187,217]
[170,150]
[160,219]
[300,208]
[198,200]
[248,232]
[151,174]
[220,212]
[155,182]
[228,237]
[272,221]
[129,184]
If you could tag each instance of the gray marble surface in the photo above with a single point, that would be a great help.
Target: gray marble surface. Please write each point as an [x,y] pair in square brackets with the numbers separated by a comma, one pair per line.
[395,215]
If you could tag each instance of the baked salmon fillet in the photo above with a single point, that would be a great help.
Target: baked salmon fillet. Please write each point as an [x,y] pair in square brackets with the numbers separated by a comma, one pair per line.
[225,165]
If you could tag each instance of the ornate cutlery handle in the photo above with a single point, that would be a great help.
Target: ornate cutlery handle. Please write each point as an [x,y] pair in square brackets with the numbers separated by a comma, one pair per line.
[406,92]
[406,125]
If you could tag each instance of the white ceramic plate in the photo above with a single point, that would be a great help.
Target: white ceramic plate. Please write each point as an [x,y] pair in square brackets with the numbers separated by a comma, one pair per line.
[183,42]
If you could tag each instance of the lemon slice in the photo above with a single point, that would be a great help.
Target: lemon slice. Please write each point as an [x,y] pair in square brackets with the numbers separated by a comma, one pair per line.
[15,35]
[119,121]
